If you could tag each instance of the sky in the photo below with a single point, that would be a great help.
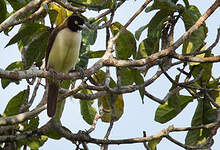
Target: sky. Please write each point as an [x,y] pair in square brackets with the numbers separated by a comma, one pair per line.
[137,117]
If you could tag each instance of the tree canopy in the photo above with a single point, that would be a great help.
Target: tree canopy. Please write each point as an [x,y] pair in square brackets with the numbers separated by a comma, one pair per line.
[122,66]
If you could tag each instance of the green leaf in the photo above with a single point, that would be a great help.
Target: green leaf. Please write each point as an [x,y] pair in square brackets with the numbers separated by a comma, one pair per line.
[13,66]
[33,124]
[214,94]
[84,53]
[52,133]
[33,142]
[60,106]
[36,49]
[190,16]
[113,104]
[17,4]
[186,2]
[168,5]
[7,30]
[52,15]
[139,31]
[125,44]
[153,143]
[147,47]
[96,54]
[87,110]
[114,112]
[26,33]
[15,103]
[108,4]
[207,67]
[36,143]
[157,23]
[138,79]
[127,77]
[59,111]
[3,11]
[91,36]
[204,114]
[150,45]
[65,84]
[168,111]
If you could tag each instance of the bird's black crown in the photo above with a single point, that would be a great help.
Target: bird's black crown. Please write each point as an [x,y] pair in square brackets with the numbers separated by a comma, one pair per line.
[73,23]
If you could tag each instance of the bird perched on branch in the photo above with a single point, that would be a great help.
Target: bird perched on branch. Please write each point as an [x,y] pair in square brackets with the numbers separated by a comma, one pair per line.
[62,55]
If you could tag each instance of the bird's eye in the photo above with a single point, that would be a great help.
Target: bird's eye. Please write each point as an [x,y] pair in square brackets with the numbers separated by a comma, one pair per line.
[76,22]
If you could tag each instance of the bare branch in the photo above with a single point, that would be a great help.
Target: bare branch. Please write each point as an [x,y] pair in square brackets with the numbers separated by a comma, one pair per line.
[154,98]
[212,59]
[10,20]
[212,100]
[97,117]
[163,133]
[35,14]
[21,117]
[69,6]
[179,143]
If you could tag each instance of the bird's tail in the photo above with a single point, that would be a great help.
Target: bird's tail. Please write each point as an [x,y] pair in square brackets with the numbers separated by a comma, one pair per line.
[53,88]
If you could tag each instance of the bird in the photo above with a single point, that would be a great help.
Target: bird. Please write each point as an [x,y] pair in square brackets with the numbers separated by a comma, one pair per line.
[62,54]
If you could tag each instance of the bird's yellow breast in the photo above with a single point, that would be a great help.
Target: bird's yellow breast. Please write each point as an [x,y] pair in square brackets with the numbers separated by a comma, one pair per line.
[64,53]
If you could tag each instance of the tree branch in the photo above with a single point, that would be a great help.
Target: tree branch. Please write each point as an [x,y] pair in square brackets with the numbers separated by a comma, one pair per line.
[10,20]
[21,117]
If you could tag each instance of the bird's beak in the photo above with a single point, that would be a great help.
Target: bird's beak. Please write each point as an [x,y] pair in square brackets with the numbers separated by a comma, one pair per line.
[84,27]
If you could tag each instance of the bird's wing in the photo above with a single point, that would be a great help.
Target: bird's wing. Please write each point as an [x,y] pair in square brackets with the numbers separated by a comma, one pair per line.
[51,40]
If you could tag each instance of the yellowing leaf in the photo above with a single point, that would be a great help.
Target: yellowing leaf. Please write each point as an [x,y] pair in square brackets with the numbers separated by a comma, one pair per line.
[190,16]
[62,13]
[204,114]
[189,48]
[110,113]
[113,104]
[206,75]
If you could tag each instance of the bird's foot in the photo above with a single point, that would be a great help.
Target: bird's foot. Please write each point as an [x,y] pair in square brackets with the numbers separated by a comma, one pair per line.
[81,71]
[53,74]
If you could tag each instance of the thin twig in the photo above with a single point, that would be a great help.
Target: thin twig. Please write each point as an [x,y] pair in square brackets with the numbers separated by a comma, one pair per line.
[212,100]
[179,143]
[92,128]
[154,98]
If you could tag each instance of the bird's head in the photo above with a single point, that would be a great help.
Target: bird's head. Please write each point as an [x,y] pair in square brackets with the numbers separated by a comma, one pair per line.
[75,23]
